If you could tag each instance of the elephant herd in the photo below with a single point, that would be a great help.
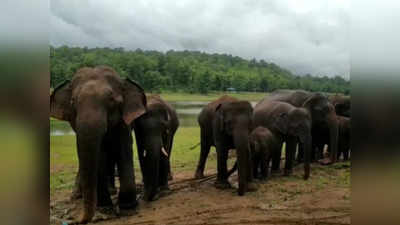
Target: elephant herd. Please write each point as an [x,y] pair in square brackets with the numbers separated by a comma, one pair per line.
[103,109]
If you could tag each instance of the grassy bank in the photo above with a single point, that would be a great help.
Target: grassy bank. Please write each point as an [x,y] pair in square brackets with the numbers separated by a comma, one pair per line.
[178,96]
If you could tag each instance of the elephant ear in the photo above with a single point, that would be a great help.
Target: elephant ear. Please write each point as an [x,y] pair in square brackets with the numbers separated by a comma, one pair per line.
[135,103]
[60,101]
[281,123]
[220,117]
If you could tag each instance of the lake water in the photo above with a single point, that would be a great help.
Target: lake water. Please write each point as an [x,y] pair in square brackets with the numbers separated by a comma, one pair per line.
[187,114]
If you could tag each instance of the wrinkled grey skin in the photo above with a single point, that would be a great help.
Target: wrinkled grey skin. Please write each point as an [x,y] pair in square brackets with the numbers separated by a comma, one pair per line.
[288,124]
[322,112]
[100,106]
[226,124]
[155,131]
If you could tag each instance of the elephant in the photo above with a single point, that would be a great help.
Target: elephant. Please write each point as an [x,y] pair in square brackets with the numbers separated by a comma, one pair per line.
[288,124]
[342,104]
[344,124]
[263,144]
[322,113]
[100,106]
[154,133]
[226,124]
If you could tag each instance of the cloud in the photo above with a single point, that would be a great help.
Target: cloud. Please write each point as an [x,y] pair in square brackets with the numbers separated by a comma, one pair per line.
[303,36]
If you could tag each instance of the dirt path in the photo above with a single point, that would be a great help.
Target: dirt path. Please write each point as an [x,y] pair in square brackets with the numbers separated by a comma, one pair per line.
[278,201]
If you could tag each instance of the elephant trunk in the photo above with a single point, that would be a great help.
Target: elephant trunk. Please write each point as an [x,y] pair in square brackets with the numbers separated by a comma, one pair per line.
[333,136]
[241,141]
[306,141]
[89,139]
[151,175]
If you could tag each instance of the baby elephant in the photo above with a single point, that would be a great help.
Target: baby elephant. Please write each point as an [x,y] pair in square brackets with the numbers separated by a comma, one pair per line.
[262,144]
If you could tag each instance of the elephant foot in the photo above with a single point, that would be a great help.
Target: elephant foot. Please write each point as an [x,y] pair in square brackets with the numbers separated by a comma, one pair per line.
[252,187]
[198,175]
[222,184]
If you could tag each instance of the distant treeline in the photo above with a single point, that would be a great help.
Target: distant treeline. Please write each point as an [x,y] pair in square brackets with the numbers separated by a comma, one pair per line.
[189,71]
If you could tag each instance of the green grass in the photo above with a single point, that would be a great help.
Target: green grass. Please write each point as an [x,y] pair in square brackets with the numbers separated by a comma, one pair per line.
[179,96]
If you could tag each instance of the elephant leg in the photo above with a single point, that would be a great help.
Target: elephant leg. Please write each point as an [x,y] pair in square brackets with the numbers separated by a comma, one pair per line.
[77,192]
[276,161]
[103,195]
[346,154]
[289,155]
[300,154]
[256,162]
[264,167]
[127,193]
[251,186]
[222,168]
[163,173]
[140,150]
[110,164]
[205,149]
[88,155]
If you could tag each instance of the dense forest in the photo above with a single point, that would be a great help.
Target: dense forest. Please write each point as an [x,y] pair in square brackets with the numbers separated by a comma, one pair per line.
[188,71]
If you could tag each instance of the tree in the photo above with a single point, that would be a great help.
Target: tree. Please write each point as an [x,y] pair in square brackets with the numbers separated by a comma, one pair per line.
[192,71]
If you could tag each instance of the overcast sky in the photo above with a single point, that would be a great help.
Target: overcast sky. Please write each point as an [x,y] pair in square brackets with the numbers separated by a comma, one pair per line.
[307,36]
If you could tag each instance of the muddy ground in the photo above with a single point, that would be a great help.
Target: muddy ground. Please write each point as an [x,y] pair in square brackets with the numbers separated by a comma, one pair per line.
[323,199]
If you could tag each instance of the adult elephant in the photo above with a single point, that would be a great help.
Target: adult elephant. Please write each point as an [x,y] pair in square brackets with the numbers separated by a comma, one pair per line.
[100,106]
[288,124]
[226,124]
[322,112]
[154,132]
[342,104]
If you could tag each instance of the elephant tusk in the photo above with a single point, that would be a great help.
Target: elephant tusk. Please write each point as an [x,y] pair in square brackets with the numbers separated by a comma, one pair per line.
[164,152]
[144,152]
